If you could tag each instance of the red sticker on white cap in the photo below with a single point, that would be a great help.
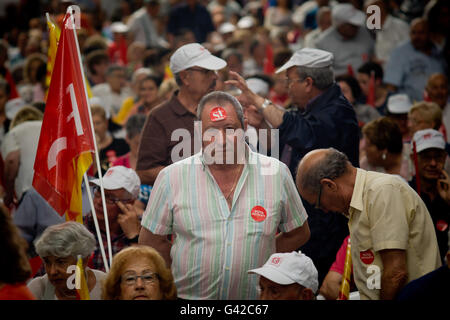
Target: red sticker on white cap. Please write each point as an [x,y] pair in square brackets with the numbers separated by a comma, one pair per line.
[259,213]
[275,261]
[218,114]
[367,256]
[441,225]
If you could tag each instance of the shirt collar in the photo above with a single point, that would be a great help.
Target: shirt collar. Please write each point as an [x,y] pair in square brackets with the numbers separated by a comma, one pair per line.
[249,156]
[177,107]
[357,197]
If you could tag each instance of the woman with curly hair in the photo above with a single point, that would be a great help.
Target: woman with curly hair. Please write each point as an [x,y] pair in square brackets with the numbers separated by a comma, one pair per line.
[14,266]
[139,273]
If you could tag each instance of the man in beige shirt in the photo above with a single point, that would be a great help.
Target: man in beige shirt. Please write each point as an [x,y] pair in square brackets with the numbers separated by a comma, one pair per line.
[392,234]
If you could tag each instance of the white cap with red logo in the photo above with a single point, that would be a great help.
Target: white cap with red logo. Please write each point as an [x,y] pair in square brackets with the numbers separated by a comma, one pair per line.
[121,177]
[427,139]
[289,268]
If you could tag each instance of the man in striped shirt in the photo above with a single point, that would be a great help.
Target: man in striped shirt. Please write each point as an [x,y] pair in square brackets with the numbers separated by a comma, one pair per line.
[225,206]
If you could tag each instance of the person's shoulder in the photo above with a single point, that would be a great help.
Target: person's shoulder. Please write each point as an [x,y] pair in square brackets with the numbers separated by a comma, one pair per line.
[99,275]
[326,36]
[162,109]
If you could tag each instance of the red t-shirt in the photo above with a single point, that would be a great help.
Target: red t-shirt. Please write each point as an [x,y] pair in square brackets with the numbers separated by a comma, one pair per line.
[339,264]
[17,291]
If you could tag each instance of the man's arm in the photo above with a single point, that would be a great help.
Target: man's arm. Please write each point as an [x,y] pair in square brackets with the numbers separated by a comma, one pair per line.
[149,176]
[158,242]
[395,273]
[272,113]
[331,285]
[292,240]
[11,170]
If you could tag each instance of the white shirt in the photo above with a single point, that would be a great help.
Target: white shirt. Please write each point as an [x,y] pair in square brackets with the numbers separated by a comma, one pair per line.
[25,138]
[143,28]
[111,101]
[311,38]
[352,52]
[393,32]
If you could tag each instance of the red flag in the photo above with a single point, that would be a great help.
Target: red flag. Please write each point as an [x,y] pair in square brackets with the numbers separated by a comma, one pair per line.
[268,61]
[66,143]
[371,94]
[350,70]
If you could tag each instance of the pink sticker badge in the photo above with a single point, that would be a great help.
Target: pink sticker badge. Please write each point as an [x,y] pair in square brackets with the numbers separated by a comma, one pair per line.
[367,256]
[275,261]
[259,213]
[218,114]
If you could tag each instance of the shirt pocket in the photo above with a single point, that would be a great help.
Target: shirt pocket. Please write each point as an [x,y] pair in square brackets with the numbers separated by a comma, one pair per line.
[261,216]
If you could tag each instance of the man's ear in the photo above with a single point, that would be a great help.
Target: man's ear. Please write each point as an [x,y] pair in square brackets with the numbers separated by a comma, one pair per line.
[328,183]
[307,294]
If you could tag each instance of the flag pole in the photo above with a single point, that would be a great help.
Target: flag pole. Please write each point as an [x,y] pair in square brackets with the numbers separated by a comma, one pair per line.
[97,229]
[99,171]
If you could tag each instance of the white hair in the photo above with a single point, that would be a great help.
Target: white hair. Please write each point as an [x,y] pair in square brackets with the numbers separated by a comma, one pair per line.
[64,240]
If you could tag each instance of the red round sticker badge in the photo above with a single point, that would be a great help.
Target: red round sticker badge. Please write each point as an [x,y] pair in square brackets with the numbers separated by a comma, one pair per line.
[441,225]
[367,256]
[259,213]
[217,114]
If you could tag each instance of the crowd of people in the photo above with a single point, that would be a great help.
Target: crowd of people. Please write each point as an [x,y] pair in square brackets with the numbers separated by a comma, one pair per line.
[244,146]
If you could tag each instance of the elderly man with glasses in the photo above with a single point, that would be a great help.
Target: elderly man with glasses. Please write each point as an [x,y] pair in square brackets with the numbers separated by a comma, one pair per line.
[391,231]
[325,119]
[121,187]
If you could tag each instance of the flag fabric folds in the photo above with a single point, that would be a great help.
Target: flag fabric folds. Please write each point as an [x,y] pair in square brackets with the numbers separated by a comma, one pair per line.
[53,38]
[66,143]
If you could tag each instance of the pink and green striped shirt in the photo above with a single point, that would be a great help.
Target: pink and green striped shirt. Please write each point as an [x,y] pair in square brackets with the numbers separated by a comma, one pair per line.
[215,246]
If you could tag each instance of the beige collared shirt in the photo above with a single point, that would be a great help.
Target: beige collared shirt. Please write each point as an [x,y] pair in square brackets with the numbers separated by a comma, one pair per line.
[385,213]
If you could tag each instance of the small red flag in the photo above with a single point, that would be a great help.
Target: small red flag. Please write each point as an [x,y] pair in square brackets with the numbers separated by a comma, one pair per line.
[268,61]
[350,70]
[371,94]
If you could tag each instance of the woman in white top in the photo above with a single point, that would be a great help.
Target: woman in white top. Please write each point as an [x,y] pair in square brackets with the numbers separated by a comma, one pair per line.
[59,247]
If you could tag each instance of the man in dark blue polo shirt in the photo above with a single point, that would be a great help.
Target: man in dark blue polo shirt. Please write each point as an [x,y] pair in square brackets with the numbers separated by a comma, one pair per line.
[324,119]
[192,16]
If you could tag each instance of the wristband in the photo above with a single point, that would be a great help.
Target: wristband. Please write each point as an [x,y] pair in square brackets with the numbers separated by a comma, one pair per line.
[265,104]
[132,240]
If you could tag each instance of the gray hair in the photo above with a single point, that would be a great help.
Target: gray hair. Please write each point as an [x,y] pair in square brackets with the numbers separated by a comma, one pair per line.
[134,125]
[332,166]
[221,97]
[323,78]
[64,240]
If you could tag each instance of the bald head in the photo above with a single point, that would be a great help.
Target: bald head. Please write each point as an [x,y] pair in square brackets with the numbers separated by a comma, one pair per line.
[419,34]
[317,165]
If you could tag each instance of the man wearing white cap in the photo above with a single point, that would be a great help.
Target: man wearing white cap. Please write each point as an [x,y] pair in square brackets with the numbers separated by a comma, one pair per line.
[348,38]
[398,106]
[434,182]
[287,276]
[121,187]
[194,68]
[392,236]
[327,120]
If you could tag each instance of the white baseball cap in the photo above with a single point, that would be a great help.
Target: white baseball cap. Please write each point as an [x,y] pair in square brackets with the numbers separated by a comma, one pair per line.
[289,268]
[309,57]
[246,22]
[399,103]
[226,27]
[13,106]
[119,177]
[119,27]
[258,86]
[347,13]
[194,54]
[427,139]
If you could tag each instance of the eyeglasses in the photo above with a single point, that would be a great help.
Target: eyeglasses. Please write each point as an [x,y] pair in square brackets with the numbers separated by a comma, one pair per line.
[204,71]
[287,81]
[147,278]
[110,200]
[317,206]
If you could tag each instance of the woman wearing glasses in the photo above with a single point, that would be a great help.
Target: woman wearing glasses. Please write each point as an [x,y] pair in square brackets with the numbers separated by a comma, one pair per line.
[139,273]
